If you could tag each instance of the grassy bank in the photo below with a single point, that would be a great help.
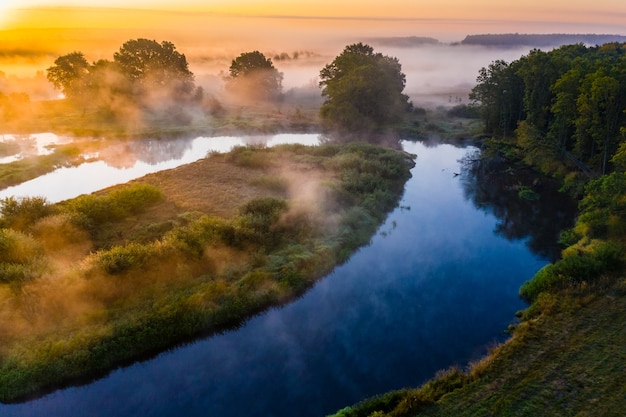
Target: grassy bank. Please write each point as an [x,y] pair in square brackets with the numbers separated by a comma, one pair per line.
[566,355]
[95,282]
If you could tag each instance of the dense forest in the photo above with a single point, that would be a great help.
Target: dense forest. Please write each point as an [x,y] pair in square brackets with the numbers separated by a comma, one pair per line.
[565,104]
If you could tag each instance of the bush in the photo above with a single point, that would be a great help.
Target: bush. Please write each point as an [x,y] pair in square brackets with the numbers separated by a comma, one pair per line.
[16,247]
[20,257]
[122,258]
[464,111]
[249,157]
[259,217]
[135,198]
[97,210]
[22,212]
[195,237]
[575,268]
[527,193]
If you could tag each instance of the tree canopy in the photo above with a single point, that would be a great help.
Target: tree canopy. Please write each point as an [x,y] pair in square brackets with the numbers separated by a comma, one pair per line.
[570,102]
[363,89]
[68,72]
[143,74]
[254,75]
[149,63]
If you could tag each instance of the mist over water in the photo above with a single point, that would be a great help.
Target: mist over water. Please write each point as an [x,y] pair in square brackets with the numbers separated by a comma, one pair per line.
[435,287]
[127,160]
[440,74]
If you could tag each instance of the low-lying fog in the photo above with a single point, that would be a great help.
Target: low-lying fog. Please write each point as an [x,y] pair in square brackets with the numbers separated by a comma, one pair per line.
[438,74]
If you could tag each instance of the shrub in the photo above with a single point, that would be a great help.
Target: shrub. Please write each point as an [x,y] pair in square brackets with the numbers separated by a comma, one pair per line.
[16,247]
[22,212]
[527,193]
[95,210]
[122,258]
[575,268]
[195,237]
[20,257]
[135,198]
[271,183]
[249,157]
[57,230]
[258,216]
[464,111]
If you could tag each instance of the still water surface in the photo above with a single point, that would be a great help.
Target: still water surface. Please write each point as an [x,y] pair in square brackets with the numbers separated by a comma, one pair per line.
[435,287]
[125,161]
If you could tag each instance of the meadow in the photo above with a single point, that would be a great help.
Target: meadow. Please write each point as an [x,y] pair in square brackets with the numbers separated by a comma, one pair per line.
[92,283]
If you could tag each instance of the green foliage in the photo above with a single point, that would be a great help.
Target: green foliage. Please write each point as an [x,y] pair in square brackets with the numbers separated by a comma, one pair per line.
[122,258]
[363,90]
[194,238]
[498,95]
[464,111]
[603,207]
[23,212]
[409,402]
[258,219]
[369,407]
[565,105]
[68,73]
[93,210]
[249,157]
[200,274]
[254,75]
[527,193]
[20,257]
[575,268]
[272,183]
[141,71]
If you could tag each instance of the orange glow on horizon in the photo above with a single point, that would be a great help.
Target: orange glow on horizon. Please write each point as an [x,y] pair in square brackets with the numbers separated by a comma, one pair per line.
[36,31]
[45,13]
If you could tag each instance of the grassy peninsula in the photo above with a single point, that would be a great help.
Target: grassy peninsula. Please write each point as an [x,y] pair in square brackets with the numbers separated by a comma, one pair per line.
[91,283]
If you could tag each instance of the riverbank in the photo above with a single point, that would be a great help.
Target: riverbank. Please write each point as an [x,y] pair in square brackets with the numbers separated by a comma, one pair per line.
[569,360]
[136,269]
[566,355]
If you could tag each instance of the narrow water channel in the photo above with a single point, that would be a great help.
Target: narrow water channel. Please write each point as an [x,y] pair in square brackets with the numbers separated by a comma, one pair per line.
[125,161]
[437,285]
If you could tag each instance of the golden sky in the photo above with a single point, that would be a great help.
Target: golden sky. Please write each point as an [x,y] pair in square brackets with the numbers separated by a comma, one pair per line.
[551,13]
[35,31]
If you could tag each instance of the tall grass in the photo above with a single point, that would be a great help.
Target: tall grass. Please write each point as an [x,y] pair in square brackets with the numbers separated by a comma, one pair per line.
[202,274]
[94,210]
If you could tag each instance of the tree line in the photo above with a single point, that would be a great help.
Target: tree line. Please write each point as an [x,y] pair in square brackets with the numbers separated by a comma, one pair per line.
[362,89]
[568,103]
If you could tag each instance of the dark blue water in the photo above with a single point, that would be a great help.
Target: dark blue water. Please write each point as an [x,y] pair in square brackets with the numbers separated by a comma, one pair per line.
[437,285]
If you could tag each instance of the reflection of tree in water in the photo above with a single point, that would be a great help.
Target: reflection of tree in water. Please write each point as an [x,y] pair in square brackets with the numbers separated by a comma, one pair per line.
[257,140]
[125,154]
[153,151]
[389,139]
[494,188]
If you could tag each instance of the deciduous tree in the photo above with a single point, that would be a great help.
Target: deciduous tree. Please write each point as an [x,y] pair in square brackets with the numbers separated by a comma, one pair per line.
[68,73]
[254,75]
[363,89]
[149,64]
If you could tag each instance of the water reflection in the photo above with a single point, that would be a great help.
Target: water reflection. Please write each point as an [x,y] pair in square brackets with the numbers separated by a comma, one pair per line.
[16,147]
[493,188]
[433,289]
[119,162]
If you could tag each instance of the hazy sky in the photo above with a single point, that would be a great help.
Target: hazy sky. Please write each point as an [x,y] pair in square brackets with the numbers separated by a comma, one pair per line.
[212,33]
[607,16]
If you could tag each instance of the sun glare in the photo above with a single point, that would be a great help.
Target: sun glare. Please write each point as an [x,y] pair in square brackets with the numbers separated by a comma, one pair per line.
[5,13]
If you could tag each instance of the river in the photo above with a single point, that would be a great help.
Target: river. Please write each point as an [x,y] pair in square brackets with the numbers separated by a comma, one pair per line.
[436,286]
